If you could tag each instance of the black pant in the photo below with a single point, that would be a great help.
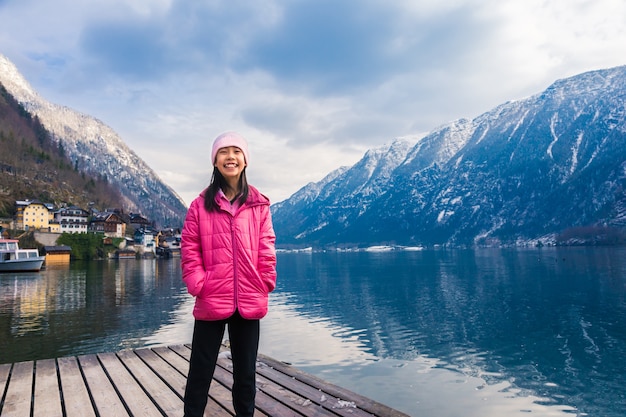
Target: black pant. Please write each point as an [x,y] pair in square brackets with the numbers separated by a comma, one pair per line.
[205,346]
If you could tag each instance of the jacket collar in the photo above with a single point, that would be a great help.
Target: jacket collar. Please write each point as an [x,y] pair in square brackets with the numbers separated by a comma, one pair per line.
[255,197]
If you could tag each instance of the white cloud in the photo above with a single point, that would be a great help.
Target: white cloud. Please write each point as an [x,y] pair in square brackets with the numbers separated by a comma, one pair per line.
[311,84]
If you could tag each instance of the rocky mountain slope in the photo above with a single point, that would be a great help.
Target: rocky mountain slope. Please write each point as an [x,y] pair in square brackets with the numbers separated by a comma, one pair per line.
[95,148]
[32,166]
[531,171]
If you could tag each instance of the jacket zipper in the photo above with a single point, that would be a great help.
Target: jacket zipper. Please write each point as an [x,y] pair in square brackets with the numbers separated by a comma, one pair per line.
[235,272]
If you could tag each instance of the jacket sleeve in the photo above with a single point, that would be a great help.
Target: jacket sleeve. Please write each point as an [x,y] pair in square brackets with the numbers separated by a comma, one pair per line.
[191,250]
[267,250]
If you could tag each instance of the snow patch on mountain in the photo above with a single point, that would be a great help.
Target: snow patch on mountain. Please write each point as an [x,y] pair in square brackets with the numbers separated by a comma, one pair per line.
[97,149]
[525,172]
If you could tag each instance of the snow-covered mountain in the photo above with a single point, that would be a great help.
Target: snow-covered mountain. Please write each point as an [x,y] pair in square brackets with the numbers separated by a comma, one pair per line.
[527,171]
[95,148]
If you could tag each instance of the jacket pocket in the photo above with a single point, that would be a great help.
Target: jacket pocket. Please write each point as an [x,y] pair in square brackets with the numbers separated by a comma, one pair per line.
[206,285]
[216,286]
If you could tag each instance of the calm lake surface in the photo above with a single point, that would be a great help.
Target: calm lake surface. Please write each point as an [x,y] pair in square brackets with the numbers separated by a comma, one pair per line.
[498,332]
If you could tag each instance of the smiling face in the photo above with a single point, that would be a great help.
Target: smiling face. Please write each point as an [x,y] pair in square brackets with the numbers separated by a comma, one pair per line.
[230,162]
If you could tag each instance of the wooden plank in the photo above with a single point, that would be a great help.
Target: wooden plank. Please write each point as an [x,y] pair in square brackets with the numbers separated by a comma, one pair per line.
[105,398]
[171,355]
[262,401]
[75,395]
[160,393]
[151,382]
[367,404]
[270,394]
[223,395]
[312,391]
[5,371]
[183,350]
[301,404]
[268,404]
[316,394]
[135,399]
[170,375]
[19,392]
[218,401]
[217,392]
[306,399]
[47,399]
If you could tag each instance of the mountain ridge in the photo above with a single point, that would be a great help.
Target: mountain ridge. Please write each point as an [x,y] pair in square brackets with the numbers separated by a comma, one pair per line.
[523,173]
[33,167]
[83,136]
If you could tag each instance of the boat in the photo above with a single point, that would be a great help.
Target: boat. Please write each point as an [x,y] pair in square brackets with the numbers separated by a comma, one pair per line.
[14,259]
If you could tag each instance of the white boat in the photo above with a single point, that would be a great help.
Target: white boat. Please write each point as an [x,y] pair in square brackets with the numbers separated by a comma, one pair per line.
[14,259]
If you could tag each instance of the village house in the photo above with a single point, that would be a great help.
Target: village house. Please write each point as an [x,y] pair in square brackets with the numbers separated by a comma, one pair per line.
[168,243]
[56,255]
[146,239]
[109,223]
[72,220]
[33,214]
[137,221]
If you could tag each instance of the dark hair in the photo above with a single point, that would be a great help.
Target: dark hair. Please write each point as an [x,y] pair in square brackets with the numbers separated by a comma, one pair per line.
[219,182]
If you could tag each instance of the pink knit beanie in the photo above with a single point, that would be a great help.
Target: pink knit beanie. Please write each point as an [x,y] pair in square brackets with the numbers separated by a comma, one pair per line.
[230,139]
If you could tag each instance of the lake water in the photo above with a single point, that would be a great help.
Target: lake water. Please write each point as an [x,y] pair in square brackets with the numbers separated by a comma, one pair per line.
[498,332]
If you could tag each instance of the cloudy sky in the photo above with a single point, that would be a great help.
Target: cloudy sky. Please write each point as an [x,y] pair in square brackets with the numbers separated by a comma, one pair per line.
[312,84]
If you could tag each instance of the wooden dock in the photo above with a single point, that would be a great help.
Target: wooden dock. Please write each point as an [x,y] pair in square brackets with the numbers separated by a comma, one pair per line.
[151,382]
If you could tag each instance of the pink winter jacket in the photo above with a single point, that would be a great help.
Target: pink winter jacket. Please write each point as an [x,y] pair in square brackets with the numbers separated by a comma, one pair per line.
[228,259]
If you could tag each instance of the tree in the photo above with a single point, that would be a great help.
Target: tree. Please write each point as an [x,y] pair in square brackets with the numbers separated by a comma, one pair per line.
[85,246]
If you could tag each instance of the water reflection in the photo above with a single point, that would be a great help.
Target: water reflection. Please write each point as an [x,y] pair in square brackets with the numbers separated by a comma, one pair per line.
[546,323]
[85,308]
[438,333]
[422,385]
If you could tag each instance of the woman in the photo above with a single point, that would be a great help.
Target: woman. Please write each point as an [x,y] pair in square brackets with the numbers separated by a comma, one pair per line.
[228,262]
